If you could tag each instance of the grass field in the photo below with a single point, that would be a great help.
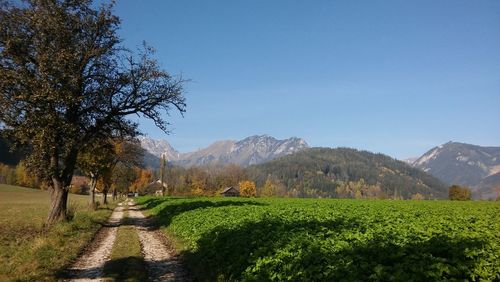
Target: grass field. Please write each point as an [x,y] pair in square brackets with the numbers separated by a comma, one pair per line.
[30,253]
[333,240]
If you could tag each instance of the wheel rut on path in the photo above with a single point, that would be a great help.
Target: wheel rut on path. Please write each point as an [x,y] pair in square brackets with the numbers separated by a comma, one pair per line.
[161,261]
[89,266]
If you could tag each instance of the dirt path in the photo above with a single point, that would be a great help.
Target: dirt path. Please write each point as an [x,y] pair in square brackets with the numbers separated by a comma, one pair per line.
[159,255]
[161,262]
[89,266]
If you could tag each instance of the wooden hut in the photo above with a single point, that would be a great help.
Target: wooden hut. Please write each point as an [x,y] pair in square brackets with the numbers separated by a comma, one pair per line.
[230,192]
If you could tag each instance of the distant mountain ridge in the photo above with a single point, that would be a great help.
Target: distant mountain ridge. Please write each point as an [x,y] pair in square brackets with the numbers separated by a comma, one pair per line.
[464,164]
[249,151]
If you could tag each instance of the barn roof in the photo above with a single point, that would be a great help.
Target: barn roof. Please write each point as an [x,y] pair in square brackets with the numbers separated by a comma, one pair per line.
[228,189]
[157,183]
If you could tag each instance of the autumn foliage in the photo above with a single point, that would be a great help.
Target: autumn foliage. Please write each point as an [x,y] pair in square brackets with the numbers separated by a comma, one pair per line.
[458,193]
[247,189]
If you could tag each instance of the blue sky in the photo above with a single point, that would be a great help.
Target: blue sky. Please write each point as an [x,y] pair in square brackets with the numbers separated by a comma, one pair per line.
[396,77]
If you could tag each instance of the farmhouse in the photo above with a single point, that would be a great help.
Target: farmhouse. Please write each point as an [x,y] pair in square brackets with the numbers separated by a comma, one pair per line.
[230,192]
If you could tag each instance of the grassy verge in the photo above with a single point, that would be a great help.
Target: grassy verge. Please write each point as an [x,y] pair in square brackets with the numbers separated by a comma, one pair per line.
[126,262]
[30,253]
[329,240]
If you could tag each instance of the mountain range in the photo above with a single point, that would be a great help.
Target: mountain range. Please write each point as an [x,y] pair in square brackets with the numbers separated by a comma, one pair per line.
[453,163]
[469,165]
[464,164]
[249,151]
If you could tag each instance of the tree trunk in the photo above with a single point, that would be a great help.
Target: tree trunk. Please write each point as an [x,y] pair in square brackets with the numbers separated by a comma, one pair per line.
[59,199]
[93,184]
[92,197]
[114,194]
[162,174]
[105,195]
[59,190]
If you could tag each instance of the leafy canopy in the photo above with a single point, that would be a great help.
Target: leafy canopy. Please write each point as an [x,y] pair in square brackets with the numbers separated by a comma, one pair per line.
[65,81]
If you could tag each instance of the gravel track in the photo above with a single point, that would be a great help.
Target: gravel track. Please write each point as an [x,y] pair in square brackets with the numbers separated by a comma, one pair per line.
[161,261]
[89,266]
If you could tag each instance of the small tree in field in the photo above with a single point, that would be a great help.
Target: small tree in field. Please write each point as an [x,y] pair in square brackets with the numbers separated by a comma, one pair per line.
[458,193]
[247,189]
[66,82]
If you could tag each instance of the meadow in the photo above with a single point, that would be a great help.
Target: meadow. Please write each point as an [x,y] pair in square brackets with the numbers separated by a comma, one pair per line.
[30,252]
[223,239]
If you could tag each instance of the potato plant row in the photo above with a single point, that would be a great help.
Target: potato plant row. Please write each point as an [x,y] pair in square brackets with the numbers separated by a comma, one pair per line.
[333,240]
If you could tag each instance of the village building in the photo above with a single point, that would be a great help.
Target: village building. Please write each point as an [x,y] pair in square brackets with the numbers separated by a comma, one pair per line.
[156,188]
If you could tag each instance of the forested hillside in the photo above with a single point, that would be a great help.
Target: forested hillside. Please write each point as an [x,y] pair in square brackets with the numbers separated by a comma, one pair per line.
[344,172]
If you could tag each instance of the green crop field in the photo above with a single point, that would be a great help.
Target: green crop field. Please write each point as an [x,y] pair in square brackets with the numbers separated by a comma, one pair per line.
[27,251]
[333,240]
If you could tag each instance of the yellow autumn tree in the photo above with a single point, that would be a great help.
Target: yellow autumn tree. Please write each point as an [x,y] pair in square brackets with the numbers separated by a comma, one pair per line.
[458,193]
[143,178]
[196,186]
[247,189]
[269,189]
[417,197]
[24,178]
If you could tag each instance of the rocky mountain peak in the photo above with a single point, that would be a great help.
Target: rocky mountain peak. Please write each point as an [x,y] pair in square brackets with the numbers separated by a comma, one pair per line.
[461,163]
[248,151]
[157,147]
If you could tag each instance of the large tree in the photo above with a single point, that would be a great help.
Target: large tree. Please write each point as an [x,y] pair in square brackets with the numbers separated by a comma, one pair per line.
[65,81]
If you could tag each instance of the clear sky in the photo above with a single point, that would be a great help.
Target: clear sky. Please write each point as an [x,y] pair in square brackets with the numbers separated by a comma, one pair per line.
[396,77]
